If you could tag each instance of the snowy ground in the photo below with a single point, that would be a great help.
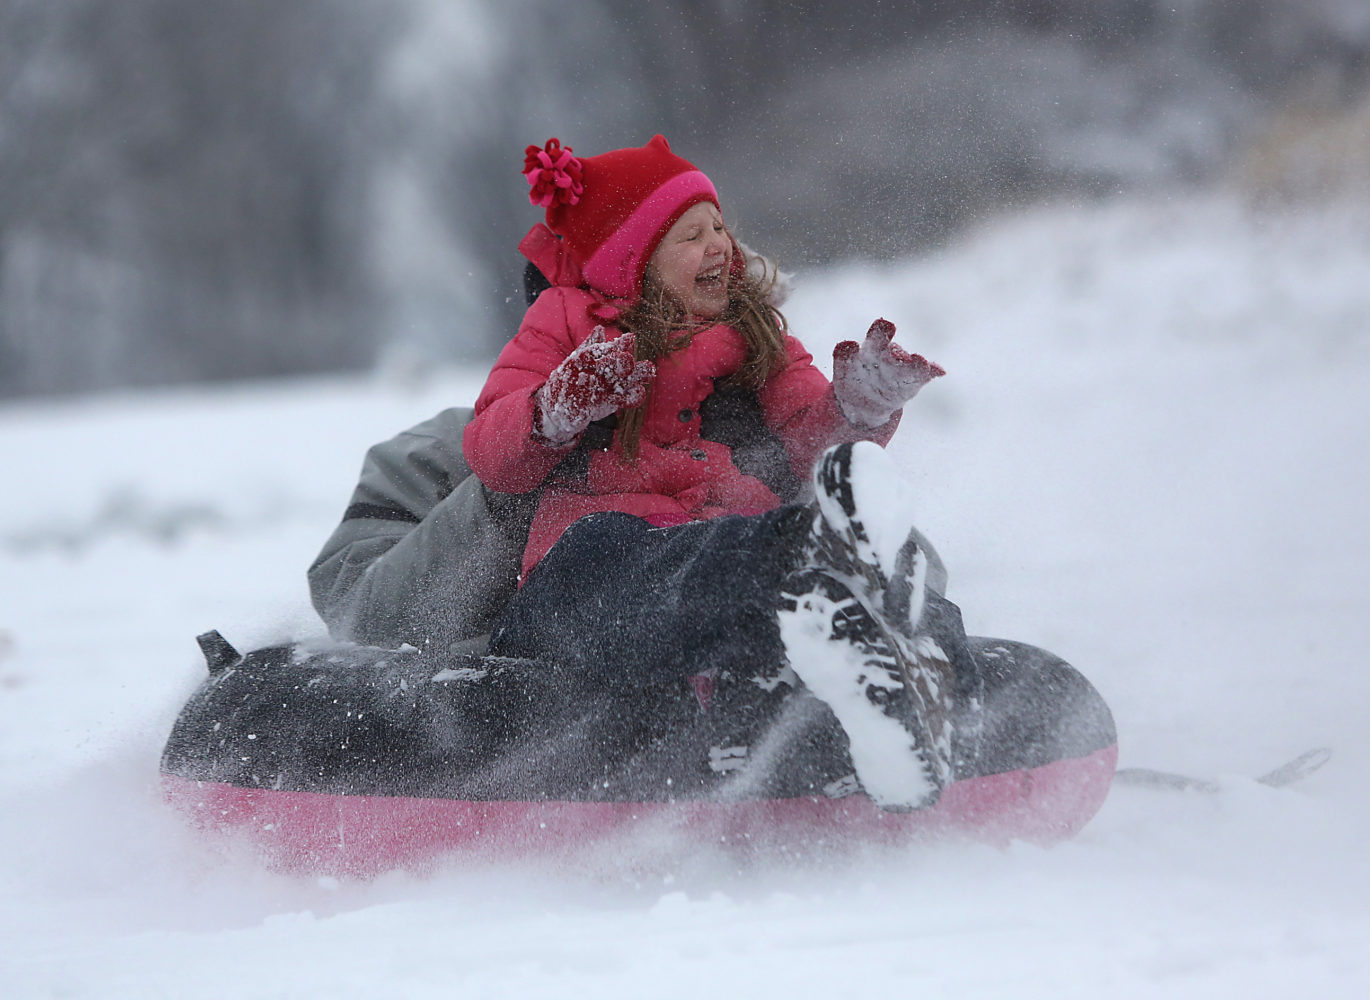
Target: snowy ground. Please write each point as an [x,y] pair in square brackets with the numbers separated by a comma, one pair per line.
[1150,455]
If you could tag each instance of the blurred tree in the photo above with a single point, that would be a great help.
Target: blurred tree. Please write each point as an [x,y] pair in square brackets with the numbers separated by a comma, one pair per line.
[245,187]
[179,189]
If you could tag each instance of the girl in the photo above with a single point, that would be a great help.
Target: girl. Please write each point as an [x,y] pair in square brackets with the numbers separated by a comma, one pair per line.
[654,400]
[714,594]
[652,314]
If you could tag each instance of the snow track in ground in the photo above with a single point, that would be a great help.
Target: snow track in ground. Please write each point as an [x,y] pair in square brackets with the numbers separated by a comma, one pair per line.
[1148,456]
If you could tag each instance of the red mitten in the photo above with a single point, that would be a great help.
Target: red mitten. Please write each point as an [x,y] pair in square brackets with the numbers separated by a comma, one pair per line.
[873,379]
[598,378]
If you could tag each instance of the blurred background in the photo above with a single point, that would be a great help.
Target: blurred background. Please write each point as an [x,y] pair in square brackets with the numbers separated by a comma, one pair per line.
[1136,233]
[246,188]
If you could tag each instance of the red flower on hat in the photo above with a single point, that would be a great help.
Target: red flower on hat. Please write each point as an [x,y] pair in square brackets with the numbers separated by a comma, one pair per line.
[553,173]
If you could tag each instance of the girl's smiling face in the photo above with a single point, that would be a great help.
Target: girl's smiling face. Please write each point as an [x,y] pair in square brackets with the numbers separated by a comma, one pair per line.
[691,262]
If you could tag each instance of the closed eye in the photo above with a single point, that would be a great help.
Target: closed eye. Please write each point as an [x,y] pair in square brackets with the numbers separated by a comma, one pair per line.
[695,234]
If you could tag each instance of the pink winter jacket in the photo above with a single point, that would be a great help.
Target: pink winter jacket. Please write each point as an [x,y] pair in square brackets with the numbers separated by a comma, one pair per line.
[678,476]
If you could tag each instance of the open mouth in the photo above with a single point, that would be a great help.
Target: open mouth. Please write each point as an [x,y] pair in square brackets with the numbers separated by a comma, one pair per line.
[711,280]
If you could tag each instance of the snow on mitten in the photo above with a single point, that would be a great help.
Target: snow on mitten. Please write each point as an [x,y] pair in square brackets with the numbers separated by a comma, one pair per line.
[599,378]
[875,378]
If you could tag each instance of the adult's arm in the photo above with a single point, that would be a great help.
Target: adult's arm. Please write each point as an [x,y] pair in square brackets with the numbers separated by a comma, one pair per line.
[425,554]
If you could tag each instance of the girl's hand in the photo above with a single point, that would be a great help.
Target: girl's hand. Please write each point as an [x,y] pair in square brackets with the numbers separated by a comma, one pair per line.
[873,379]
[598,378]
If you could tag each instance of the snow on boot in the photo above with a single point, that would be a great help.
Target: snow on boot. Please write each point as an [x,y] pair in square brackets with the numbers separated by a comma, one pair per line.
[866,538]
[894,710]
[863,539]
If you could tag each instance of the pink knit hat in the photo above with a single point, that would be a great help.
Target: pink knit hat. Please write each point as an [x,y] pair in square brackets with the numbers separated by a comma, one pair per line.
[610,211]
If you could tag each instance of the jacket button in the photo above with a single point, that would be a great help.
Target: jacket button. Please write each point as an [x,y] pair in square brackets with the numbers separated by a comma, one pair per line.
[699,455]
[686,416]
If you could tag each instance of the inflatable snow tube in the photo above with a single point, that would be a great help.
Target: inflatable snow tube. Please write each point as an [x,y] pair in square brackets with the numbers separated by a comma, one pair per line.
[353,761]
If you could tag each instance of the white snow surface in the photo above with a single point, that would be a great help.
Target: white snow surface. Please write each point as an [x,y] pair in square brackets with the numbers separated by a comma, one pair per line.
[1149,455]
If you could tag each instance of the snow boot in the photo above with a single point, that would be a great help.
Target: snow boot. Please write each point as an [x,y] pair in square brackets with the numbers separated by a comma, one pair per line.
[864,541]
[890,694]
[868,550]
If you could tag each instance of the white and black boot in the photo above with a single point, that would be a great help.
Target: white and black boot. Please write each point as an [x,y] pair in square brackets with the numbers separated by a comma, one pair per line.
[862,587]
[850,660]
[873,545]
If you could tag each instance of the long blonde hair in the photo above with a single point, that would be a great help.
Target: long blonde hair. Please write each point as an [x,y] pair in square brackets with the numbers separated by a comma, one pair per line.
[662,327]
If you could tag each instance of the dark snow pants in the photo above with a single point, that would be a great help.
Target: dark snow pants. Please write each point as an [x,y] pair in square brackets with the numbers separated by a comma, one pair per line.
[669,659]
[617,596]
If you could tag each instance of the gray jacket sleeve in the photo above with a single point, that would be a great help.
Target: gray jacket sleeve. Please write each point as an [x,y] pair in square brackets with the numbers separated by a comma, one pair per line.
[425,554]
